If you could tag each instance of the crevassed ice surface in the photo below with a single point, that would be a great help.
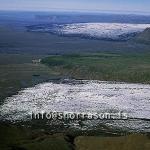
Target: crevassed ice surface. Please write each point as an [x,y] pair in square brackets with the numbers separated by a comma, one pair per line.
[101,30]
[88,97]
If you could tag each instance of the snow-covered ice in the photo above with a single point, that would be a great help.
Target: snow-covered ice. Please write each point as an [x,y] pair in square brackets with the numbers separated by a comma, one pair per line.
[113,31]
[88,97]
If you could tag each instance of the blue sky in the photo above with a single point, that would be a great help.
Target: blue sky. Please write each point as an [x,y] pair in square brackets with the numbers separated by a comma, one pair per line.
[88,5]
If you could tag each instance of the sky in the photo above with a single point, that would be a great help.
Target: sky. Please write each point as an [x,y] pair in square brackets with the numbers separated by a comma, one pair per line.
[76,5]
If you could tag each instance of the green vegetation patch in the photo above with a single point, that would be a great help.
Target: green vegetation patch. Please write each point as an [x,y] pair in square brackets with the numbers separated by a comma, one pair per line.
[101,66]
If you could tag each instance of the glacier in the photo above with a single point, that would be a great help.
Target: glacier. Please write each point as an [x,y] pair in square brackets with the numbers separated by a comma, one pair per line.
[82,96]
[104,31]
[114,31]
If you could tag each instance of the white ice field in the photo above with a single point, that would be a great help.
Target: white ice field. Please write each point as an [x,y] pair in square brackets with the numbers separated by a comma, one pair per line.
[113,31]
[88,97]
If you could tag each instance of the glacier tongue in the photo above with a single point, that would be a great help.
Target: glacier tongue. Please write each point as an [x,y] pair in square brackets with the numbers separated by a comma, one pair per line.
[88,97]
[112,31]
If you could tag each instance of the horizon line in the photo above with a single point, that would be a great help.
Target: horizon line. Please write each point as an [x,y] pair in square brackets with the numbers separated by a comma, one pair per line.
[81,11]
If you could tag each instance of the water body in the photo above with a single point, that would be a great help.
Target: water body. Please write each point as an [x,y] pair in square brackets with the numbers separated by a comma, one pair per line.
[83,97]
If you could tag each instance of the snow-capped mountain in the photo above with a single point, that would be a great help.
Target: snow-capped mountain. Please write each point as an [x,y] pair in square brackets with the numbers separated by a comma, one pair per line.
[111,31]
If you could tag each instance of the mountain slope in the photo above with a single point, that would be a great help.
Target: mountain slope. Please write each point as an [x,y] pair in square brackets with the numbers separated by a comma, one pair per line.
[143,37]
